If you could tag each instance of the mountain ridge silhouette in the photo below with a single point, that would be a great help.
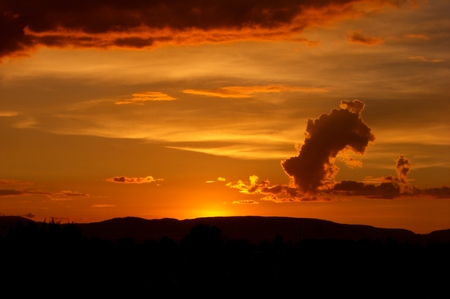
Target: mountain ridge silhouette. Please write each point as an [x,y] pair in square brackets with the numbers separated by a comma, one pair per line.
[252,228]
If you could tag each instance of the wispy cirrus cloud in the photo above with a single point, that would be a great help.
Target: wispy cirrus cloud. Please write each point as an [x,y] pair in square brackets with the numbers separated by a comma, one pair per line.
[62,195]
[140,98]
[248,91]
[417,36]
[8,113]
[102,206]
[13,182]
[66,195]
[423,59]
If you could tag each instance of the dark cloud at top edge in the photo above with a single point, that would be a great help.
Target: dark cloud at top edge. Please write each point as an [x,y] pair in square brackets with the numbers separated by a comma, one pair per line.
[26,24]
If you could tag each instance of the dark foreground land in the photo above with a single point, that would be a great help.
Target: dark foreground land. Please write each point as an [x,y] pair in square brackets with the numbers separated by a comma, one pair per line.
[65,260]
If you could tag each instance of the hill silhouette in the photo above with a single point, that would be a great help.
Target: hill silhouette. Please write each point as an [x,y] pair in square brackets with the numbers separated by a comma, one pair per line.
[231,255]
[252,228]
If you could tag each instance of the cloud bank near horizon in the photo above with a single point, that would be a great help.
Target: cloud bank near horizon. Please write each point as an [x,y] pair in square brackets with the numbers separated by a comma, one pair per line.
[312,172]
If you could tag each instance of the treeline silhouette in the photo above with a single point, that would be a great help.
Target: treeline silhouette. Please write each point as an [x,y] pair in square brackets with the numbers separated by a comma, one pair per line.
[53,257]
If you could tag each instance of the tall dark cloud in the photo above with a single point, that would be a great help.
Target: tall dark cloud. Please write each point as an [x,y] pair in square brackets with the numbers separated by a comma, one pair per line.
[339,131]
[26,24]
[402,167]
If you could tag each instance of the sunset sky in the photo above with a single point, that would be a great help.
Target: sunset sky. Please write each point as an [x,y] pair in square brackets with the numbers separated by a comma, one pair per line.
[330,109]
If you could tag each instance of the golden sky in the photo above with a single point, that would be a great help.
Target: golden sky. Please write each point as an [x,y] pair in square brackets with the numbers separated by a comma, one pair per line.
[334,109]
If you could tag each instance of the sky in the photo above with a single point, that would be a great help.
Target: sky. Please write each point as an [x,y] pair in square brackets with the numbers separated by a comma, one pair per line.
[330,109]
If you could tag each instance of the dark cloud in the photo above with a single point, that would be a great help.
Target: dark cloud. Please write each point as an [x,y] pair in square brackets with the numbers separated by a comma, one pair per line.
[390,187]
[7,192]
[26,24]
[132,180]
[403,166]
[387,190]
[340,131]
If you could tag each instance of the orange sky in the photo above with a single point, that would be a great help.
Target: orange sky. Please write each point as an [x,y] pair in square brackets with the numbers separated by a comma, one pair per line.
[333,109]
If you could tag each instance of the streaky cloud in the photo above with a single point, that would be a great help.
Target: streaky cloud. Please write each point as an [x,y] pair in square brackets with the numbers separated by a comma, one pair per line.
[140,98]
[248,91]
[423,59]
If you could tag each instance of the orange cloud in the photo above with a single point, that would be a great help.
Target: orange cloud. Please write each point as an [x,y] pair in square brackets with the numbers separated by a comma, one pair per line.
[141,97]
[13,182]
[245,201]
[28,24]
[131,180]
[66,195]
[248,91]
[102,206]
[356,37]
[417,36]
[423,59]
[8,113]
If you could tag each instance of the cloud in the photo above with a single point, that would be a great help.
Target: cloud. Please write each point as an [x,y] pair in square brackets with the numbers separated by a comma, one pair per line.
[313,170]
[28,24]
[141,97]
[13,182]
[245,202]
[248,91]
[66,195]
[356,37]
[8,113]
[132,180]
[342,130]
[390,187]
[102,206]
[6,192]
[221,179]
[417,36]
[423,59]
[403,166]
[276,193]
[62,195]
